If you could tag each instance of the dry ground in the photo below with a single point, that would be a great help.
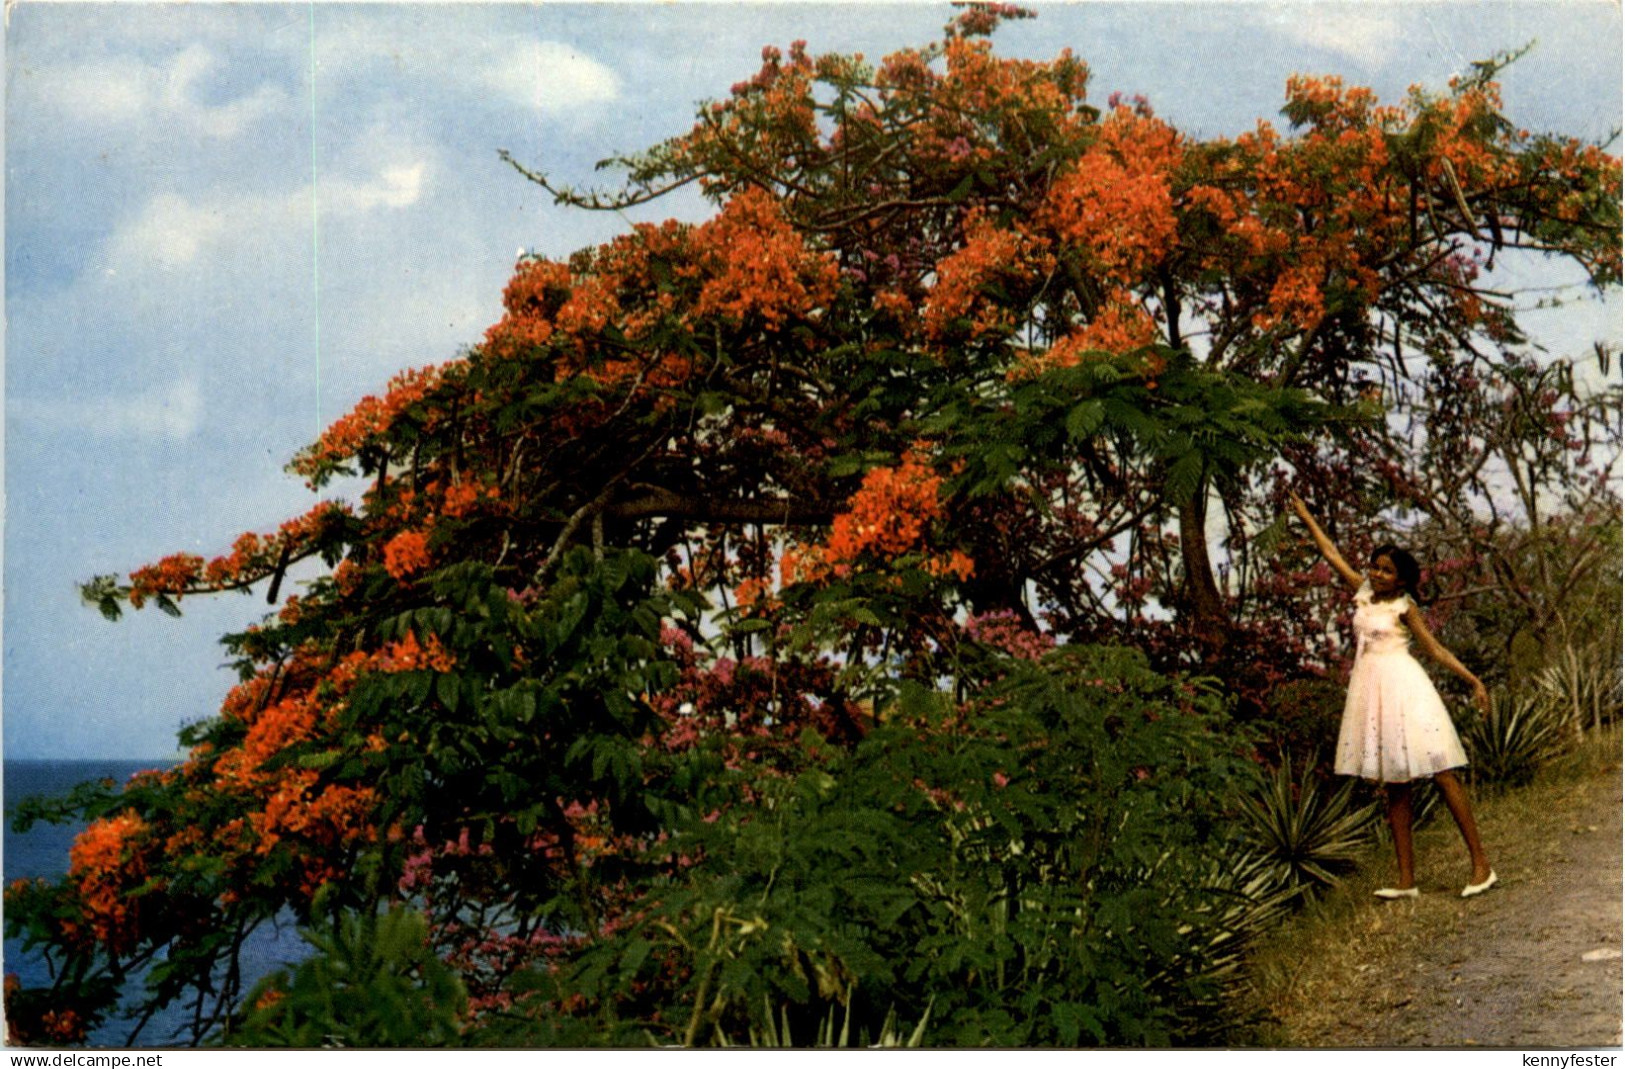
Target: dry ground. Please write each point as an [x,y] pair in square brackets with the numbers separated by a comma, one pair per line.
[1535,962]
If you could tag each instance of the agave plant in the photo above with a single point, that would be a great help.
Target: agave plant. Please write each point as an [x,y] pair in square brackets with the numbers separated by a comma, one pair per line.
[1522,731]
[1584,682]
[777,1033]
[1309,832]
[1241,895]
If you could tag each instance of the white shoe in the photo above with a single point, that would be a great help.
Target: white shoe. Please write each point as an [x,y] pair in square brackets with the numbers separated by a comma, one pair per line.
[1399,892]
[1478,888]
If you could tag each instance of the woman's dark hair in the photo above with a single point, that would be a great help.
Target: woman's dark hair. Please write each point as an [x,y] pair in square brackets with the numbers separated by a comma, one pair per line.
[1410,572]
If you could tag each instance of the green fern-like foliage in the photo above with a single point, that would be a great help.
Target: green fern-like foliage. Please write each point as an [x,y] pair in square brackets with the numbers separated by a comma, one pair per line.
[372,982]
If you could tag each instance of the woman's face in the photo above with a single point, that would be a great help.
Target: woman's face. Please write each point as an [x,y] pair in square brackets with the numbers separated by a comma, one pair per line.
[1383,577]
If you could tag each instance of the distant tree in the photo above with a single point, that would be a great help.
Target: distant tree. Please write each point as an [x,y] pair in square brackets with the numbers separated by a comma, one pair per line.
[960,362]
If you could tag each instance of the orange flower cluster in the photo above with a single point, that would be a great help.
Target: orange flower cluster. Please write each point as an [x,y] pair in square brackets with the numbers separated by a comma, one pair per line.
[326,820]
[253,557]
[591,306]
[54,1027]
[906,70]
[666,371]
[175,574]
[371,417]
[347,576]
[461,498]
[747,265]
[988,255]
[1325,103]
[1116,205]
[756,264]
[289,806]
[752,590]
[1318,218]
[276,727]
[1295,298]
[889,516]
[890,512]
[1121,327]
[406,554]
[634,261]
[248,547]
[106,861]
[978,82]
[531,298]
[301,529]
[302,670]
[1473,162]
[894,303]
[64,1027]
[311,692]
[409,655]
[579,299]
[334,815]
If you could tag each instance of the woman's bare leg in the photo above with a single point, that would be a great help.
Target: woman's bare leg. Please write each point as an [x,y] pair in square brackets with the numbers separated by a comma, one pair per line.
[1455,796]
[1399,822]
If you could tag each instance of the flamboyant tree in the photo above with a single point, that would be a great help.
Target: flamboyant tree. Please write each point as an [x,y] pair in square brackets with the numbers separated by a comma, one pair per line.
[961,362]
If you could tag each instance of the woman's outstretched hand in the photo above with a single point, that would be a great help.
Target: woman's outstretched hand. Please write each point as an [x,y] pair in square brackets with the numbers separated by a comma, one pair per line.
[1324,544]
[1481,696]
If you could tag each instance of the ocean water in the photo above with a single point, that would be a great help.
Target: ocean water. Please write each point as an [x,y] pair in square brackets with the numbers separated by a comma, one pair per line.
[43,851]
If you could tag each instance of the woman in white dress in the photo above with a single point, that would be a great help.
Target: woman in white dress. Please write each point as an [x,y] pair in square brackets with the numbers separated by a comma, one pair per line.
[1395,727]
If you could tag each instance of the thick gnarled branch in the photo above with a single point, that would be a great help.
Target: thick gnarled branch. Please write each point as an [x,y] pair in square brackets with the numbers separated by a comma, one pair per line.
[659,502]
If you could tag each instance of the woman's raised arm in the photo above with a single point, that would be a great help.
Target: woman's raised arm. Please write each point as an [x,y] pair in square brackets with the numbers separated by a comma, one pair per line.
[1327,550]
[1436,650]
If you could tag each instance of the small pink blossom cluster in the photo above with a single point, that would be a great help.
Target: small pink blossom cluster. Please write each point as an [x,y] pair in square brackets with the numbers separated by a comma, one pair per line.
[418,870]
[1003,630]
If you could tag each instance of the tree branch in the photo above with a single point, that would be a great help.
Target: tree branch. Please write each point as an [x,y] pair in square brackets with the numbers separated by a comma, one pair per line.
[657,501]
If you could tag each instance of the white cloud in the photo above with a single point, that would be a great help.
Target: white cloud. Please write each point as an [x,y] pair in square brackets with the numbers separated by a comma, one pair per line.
[121,90]
[547,76]
[167,413]
[1365,38]
[551,77]
[113,92]
[171,232]
[392,187]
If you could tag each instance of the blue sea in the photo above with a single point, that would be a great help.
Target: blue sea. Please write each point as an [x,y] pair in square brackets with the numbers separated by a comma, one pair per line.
[43,851]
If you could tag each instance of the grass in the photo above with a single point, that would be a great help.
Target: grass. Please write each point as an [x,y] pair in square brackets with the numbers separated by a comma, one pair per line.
[1344,947]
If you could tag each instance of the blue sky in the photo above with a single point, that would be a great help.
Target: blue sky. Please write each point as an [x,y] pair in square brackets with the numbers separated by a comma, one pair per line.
[226,223]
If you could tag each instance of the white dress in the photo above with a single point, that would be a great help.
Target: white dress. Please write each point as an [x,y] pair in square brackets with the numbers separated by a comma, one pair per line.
[1395,727]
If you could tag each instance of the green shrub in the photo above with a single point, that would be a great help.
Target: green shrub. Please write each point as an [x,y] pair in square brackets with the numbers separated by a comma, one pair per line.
[373,981]
[1307,831]
[1300,715]
[1522,731]
[1241,895]
[1052,863]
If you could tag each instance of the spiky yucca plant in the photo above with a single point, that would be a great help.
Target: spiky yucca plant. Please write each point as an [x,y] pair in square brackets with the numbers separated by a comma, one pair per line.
[1310,832]
[777,1033]
[1246,894]
[1584,683]
[1522,731]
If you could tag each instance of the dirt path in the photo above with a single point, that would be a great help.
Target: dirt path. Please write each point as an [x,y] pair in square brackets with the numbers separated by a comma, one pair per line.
[1533,963]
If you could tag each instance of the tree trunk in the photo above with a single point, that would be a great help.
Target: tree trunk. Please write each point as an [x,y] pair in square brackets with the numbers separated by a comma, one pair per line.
[1200,593]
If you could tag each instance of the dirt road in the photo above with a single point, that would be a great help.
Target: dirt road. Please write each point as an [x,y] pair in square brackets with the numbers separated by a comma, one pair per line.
[1533,963]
